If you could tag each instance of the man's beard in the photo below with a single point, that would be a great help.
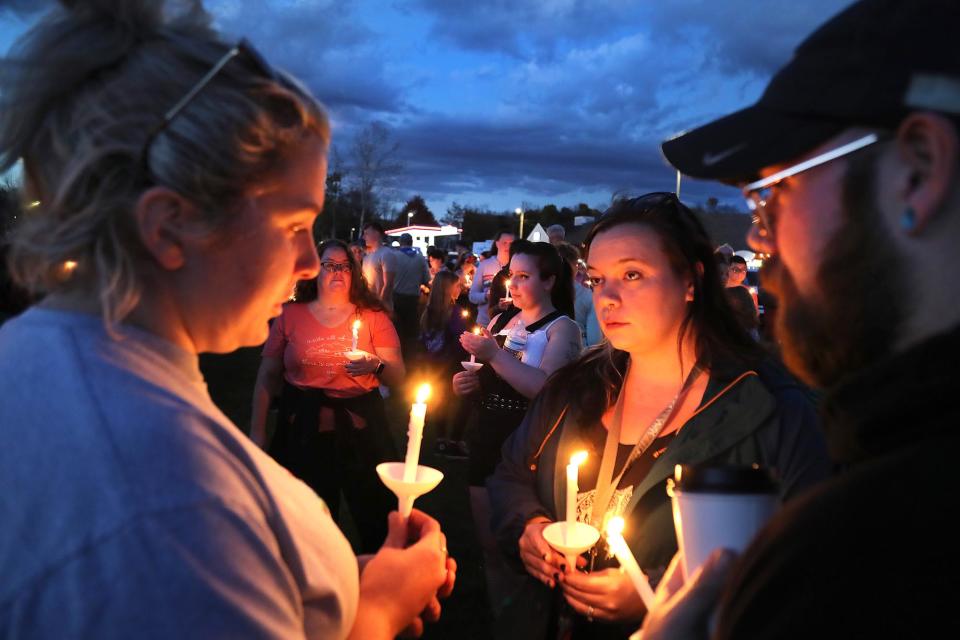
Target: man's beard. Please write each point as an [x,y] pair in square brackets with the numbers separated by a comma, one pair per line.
[856,314]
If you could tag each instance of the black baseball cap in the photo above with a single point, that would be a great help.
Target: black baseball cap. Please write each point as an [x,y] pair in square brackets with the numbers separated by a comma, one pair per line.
[868,66]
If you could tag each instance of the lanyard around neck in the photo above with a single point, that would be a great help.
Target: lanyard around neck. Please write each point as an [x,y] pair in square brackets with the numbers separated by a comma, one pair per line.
[606,483]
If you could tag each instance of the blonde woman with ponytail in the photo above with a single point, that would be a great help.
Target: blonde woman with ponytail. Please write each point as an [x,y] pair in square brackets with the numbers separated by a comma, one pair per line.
[178,178]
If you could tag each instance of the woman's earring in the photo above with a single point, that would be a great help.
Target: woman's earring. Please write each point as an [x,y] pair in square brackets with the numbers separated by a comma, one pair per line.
[908,220]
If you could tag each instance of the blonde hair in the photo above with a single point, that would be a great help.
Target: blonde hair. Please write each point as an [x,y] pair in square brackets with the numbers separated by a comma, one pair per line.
[83,91]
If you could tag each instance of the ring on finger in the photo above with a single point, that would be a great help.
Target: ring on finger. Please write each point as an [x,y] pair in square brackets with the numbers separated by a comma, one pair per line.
[590,613]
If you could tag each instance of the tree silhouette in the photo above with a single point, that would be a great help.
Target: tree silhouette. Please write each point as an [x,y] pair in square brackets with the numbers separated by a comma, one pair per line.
[421,214]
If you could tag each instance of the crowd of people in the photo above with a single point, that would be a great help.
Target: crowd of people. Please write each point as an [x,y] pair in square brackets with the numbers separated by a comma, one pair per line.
[178,178]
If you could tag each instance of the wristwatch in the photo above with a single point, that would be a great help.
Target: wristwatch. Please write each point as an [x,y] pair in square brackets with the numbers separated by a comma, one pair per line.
[380,368]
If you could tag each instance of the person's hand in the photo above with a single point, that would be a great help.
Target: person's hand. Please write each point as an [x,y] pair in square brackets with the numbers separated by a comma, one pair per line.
[603,595]
[483,346]
[431,612]
[402,582]
[466,383]
[682,610]
[364,366]
[504,304]
[538,557]
[419,525]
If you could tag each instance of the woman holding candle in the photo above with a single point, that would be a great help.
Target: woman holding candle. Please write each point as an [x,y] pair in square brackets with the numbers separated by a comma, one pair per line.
[520,348]
[332,428]
[678,381]
[441,324]
[466,271]
[179,176]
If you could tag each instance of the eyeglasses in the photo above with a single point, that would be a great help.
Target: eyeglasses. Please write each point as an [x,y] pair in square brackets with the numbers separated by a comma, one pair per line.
[335,267]
[242,48]
[760,193]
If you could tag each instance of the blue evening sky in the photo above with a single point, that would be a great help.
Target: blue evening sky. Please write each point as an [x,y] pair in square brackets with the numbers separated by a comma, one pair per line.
[520,101]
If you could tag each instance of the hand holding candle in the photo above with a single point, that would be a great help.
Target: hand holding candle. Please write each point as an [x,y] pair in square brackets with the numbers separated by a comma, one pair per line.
[629,564]
[418,413]
[508,298]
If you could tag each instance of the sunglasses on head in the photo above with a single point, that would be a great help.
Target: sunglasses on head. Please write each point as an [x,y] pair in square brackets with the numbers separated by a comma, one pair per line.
[242,50]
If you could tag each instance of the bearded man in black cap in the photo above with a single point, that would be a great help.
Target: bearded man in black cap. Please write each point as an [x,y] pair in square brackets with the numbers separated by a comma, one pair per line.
[850,162]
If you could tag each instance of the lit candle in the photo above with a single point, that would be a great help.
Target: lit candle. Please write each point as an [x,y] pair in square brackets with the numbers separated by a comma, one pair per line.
[573,469]
[508,298]
[356,334]
[473,356]
[465,313]
[415,433]
[627,562]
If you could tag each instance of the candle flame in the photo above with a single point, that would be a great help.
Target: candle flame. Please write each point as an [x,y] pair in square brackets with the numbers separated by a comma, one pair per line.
[507,284]
[615,526]
[69,265]
[423,392]
[356,325]
[578,458]
[465,313]
[476,331]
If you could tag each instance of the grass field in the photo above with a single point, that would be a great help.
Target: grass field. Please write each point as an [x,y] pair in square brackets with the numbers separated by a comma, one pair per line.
[466,613]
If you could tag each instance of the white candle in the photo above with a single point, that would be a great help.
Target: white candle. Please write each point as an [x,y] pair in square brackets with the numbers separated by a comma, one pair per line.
[418,413]
[627,562]
[507,285]
[356,334]
[573,469]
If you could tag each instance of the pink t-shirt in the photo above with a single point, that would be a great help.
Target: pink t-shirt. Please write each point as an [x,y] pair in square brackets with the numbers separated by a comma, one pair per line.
[313,354]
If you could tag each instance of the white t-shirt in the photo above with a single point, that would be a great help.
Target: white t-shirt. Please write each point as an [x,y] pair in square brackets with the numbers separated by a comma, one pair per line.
[375,266]
[482,279]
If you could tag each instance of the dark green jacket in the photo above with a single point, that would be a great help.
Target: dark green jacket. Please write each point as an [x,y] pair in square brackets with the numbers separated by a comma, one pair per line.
[746,417]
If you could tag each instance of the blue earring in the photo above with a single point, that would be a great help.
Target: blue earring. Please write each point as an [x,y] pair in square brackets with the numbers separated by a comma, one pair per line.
[908,220]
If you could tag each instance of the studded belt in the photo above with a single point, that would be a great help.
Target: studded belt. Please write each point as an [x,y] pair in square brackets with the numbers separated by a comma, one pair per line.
[497,402]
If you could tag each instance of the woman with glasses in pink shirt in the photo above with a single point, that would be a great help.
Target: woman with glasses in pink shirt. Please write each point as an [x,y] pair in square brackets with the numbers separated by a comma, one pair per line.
[331,426]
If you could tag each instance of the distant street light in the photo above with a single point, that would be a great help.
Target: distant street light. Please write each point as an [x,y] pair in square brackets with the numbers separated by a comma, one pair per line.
[519,212]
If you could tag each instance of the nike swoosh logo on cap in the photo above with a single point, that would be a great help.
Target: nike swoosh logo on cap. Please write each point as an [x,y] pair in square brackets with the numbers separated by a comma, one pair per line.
[710,159]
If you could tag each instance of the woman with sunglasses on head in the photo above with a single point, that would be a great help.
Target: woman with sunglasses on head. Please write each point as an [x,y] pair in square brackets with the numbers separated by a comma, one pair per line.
[678,381]
[532,338]
[332,428]
[177,179]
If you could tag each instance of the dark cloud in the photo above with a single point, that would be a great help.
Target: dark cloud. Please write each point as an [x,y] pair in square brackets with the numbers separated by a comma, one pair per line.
[566,96]
[24,8]
[541,158]
[740,33]
[514,27]
[327,47]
